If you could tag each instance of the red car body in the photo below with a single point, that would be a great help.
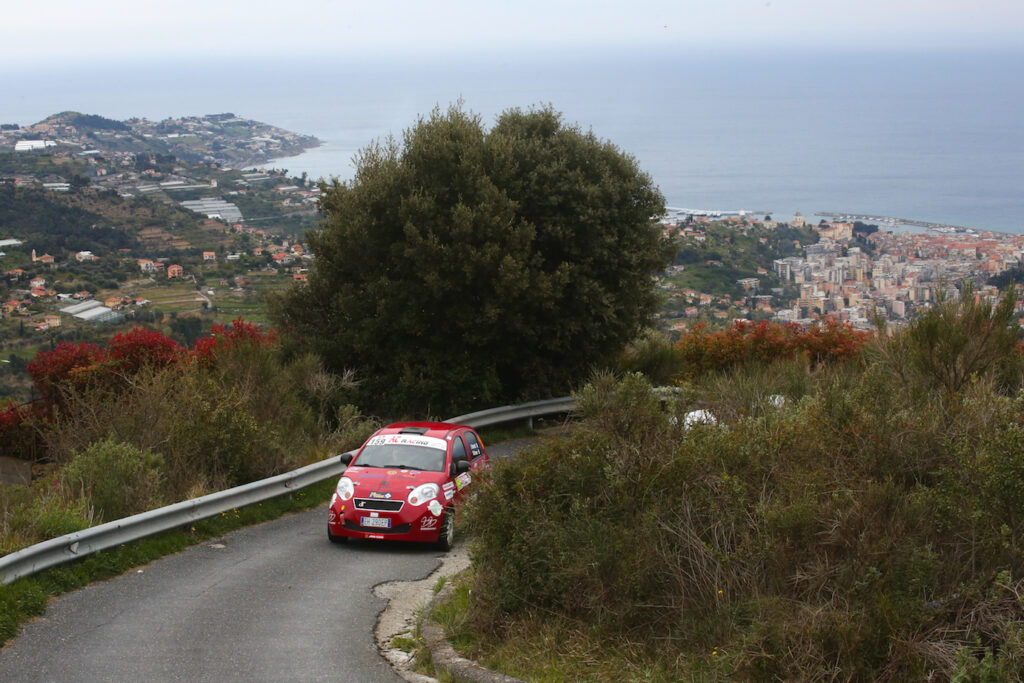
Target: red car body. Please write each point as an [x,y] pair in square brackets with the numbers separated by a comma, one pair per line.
[404,482]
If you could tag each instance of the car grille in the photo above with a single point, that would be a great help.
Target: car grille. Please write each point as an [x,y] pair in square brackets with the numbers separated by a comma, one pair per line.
[399,529]
[377,504]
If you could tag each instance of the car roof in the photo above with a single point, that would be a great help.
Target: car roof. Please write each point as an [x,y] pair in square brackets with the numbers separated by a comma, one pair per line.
[437,430]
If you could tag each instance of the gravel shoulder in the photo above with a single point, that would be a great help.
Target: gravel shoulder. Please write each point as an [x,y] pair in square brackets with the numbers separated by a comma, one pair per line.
[406,599]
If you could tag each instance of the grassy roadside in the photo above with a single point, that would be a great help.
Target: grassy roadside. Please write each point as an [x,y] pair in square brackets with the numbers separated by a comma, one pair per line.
[550,651]
[27,597]
[865,528]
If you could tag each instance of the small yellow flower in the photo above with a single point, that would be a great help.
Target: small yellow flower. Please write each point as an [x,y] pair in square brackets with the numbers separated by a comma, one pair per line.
[719,591]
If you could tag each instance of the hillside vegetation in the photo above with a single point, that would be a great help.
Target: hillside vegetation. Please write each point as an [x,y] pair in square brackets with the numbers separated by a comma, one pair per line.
[724,254]
[142,421]
[851,516]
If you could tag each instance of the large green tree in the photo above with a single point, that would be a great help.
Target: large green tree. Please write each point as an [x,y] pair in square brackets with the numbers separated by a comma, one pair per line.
[464,267]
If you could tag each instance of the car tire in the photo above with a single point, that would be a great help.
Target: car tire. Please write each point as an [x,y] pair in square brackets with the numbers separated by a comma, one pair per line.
[446,536]
[336,539]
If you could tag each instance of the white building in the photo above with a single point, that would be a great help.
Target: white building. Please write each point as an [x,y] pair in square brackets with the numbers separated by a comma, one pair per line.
[29,145]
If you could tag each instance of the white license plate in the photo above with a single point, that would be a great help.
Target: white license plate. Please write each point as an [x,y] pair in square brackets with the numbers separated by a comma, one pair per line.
[379,522]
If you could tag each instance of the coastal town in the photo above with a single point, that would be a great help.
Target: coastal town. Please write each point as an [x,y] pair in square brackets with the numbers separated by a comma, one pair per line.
[853,277]
[908,270]
[206,230]
[106,223]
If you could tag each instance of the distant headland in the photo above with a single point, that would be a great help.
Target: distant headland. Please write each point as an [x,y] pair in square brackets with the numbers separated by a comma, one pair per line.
[222,139]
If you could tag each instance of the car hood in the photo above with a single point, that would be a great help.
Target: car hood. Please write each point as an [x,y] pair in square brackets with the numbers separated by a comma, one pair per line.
[396,481]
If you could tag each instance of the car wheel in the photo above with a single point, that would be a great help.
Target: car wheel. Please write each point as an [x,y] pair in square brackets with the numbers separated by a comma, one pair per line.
[336,539]
[446,537]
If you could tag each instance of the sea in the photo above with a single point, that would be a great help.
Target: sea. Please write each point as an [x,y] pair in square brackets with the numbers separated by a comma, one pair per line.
[930,135]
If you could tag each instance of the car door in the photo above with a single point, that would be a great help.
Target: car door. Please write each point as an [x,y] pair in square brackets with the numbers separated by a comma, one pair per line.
[461,453]
[477,454]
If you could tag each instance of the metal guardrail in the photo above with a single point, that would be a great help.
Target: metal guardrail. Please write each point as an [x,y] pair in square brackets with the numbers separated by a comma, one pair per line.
[76,545]
[81,543]
[523,411]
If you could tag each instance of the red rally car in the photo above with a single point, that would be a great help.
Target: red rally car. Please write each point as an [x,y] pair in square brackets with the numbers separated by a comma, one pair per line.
[403,483]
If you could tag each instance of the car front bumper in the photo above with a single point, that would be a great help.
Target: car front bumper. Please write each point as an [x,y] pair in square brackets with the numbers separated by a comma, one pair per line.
[409,524]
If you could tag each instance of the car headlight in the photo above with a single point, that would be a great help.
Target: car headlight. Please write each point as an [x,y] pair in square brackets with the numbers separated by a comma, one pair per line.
[422,493]
[346,489]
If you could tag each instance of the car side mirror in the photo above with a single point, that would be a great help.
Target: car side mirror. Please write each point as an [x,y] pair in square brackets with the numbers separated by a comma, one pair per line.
[345,458]
[461,466]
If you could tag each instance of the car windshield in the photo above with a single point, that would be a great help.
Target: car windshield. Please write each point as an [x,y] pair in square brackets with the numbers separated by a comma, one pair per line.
[402,456]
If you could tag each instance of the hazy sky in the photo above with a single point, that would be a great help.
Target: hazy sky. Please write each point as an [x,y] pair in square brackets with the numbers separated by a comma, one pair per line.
[188,29]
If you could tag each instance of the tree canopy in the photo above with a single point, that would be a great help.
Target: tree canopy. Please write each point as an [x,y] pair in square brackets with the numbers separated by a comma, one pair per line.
[464,266]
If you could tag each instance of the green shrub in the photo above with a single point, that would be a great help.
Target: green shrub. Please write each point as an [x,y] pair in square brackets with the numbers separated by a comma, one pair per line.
[234,418]
[960,339]
[857,533]
[989,667]
[57,516]
[351,428]
[653,355]
[597,496]
[755,388]
[118,479]
[46,510]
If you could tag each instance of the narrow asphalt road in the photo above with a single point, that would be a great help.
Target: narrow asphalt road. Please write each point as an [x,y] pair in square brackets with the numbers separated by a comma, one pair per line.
[273,602]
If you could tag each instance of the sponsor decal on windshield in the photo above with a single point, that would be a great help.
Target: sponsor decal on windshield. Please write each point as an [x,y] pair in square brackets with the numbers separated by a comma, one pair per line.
[407,440]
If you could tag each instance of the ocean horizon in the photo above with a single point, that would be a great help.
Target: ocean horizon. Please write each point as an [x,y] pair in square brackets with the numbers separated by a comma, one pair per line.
[929,136]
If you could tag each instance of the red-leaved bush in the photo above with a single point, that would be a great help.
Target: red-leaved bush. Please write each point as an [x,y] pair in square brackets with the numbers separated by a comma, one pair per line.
[88,366]
[106,370]
[85,365]
[223,337]
[68,364]
[18,436]
[701,351]
[140,348]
